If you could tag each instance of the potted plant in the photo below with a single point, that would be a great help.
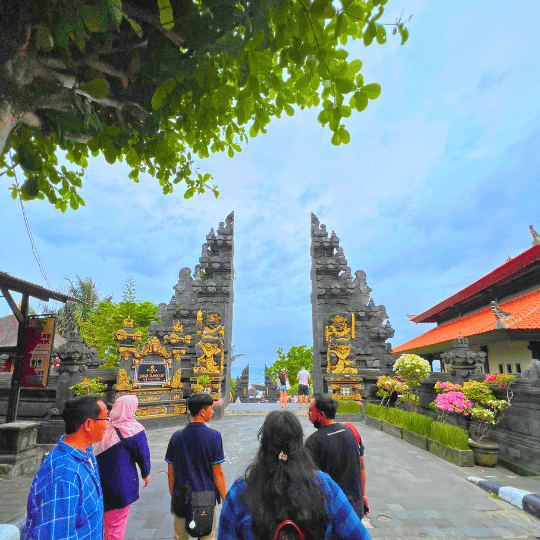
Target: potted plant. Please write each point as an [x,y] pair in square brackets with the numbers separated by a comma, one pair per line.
[476,402]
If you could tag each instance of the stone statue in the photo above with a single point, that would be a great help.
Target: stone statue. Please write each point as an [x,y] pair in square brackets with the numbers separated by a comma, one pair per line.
[338,337]
[211,343]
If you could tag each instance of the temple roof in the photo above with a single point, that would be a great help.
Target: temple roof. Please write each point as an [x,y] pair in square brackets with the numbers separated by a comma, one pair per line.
[9,327]
[519,313]
[511,268]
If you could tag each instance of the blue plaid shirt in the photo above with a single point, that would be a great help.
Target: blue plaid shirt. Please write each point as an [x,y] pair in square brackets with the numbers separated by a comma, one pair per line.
[235,521]
[65,501]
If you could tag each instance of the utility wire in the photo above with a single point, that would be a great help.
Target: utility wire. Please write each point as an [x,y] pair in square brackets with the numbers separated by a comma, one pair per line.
[29,231]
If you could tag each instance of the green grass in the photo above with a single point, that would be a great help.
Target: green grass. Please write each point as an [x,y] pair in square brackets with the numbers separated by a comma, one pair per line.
[417,423]
[449,435]
[348,407]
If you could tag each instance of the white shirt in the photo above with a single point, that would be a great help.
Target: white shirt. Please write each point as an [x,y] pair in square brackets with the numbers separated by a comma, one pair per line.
[303,376]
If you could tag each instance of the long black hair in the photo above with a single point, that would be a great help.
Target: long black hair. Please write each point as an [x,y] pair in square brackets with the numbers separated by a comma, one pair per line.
[281,483]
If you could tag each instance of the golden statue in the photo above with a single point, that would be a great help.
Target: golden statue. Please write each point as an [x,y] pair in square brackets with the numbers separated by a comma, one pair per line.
[123,382]
[338,337]
[211,343]
[176,381]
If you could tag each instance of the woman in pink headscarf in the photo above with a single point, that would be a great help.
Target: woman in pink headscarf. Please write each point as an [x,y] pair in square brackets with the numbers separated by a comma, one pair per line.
[123,446]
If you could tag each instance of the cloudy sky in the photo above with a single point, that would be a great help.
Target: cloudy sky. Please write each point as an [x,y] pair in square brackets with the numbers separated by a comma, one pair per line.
[437,187]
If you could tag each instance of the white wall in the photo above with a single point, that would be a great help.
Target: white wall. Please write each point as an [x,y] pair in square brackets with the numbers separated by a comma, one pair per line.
[508,352]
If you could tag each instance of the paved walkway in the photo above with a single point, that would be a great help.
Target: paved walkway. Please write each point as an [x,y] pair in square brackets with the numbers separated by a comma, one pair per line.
[412,493]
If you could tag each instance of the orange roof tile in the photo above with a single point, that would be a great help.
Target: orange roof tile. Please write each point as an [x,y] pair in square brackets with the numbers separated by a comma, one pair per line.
[511,267]
[524,313]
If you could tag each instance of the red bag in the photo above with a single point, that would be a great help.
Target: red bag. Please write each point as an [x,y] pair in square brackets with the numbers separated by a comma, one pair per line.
[288,530]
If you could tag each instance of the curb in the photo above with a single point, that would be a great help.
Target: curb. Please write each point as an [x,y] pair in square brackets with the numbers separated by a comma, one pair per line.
[524,500]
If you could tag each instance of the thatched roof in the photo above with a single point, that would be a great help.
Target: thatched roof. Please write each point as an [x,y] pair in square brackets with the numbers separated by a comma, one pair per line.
[9,327]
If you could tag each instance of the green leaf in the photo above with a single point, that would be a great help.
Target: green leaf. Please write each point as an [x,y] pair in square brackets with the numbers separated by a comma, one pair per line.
[404,36]
[345,85]
[381,34]
[27,157]
[319,7]
[109,151]
[165,14]
[97,88]
[161,93]
[354,67]
[44,39]
[372,91]
[361,101]
[356,11]
[30,189]
[115,9]
[336,138]
[135,26]
[345,137]
[289,110]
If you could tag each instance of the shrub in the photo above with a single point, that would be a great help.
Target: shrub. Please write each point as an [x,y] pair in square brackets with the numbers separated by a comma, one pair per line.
[449,435]
[89,386]
[348,407]
[417,423]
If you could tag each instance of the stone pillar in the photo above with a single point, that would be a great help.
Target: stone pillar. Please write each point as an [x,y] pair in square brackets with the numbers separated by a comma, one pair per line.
[461,363]
[346,322]
[73,355]
[19,454]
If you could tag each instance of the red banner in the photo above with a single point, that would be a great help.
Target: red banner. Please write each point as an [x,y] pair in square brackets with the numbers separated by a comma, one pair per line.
[38,343]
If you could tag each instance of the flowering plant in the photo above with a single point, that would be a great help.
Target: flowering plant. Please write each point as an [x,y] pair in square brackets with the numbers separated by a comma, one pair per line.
[475,400]
[411,370]
[387,385]
[89,386]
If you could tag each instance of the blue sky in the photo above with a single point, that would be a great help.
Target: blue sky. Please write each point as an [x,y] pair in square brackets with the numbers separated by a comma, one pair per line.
[437,187]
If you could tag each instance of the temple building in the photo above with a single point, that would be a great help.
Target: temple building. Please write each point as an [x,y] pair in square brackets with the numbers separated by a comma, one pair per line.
[499,315]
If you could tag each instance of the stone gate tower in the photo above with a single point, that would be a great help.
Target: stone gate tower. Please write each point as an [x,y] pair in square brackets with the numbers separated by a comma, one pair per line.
[349,330]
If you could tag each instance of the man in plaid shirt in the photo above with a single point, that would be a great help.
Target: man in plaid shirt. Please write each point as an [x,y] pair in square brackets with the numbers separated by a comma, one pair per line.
[65,501]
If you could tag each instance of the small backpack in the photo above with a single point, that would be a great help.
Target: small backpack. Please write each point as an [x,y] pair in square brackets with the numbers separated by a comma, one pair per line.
[288,530]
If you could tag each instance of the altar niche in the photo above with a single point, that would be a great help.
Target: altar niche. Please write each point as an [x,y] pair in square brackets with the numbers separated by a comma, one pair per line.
[152,372]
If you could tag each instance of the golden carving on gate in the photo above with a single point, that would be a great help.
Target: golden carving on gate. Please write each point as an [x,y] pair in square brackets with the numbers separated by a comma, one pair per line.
[175,338]
[176,381]
[126,352]
[120,335]
[153,346]
[128,323]
[123,382]
[210,344]
[178,327]
[179,409]
[178,353]
[338,338]
[151,411]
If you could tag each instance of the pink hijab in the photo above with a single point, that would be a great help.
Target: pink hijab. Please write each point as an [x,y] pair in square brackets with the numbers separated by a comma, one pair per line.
[122,416]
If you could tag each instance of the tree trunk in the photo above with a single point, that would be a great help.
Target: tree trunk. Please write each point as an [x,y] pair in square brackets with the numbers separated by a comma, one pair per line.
[8,121]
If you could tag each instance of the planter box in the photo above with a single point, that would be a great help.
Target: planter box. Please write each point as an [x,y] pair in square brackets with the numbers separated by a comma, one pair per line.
[463,458]
[349,417]
[374,422]
[392,430]
[417,440]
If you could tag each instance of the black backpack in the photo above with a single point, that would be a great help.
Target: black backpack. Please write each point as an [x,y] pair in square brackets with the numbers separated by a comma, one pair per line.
[288,530]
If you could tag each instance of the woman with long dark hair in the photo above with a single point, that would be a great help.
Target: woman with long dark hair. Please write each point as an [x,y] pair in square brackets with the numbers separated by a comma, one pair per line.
[282,484]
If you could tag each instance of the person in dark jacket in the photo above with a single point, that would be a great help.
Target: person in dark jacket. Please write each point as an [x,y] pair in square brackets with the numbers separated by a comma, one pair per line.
[123,446]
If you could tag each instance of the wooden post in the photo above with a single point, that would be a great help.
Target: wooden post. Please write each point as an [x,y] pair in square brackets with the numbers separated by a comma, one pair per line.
[13,403]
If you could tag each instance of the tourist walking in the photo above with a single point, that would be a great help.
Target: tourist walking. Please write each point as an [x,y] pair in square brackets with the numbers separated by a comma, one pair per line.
[335,451]
[123,446]
[303,386]
[282,484]
[194,455]
[65,500]
[284,385]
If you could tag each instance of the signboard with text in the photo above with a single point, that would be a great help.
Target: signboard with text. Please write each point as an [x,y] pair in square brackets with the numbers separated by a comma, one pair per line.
[152,373]
[38,343]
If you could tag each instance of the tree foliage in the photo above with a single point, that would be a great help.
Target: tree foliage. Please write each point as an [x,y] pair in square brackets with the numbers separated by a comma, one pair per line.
[108,318]
[292,361]
[74,313]
[158,84]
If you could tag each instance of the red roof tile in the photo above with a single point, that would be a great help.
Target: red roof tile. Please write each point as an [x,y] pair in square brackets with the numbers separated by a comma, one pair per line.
[524,314]
[509,268]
